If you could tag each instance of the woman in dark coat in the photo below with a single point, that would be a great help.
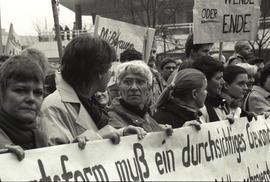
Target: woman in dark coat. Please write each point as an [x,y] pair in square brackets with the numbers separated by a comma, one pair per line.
[188,93]
[21,95]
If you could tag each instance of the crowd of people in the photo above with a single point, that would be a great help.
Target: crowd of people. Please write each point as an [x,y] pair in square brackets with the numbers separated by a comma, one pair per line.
[89,99]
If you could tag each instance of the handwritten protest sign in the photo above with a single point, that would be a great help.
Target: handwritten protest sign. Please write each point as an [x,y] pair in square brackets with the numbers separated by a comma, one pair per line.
[225,20]
[123,35]
[219,151]
[13,46]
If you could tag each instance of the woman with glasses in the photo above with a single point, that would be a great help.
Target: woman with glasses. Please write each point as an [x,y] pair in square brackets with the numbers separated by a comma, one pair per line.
[134,81]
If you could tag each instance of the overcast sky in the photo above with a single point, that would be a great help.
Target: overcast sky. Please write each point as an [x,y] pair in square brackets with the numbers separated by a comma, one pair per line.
[24,14]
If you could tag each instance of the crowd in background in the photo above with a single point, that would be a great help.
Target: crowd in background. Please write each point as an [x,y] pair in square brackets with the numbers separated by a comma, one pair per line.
[95,96]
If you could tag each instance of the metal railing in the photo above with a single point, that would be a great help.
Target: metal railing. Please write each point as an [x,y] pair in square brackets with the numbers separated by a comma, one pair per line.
[65,35]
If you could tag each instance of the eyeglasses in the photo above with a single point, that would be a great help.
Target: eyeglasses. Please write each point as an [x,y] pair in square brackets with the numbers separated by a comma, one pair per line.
[139,82]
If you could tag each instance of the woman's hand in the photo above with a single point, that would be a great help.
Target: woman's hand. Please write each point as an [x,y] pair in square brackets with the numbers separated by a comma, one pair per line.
[88,135]
[195,123]
[130,130]
[110,133]
[16,149]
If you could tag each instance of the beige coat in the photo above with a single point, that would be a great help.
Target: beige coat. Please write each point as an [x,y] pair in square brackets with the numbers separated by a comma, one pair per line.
[64,117]
[258,100]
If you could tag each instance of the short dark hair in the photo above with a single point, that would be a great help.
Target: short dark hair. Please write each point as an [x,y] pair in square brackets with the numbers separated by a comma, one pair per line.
[84,57]
[264,74]
[3,58]
[190,46]
[256,60]
[165,61]
[208,65]
[129,55]
[21,69]
[230,73]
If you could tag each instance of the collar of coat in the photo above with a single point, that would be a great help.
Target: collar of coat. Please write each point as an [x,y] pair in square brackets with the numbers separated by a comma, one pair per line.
[261,91]
[67,93]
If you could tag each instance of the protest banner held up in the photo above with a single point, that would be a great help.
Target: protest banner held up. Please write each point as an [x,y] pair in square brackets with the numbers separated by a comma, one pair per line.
[218,152]
[225,20]
[123,35]
[13,46]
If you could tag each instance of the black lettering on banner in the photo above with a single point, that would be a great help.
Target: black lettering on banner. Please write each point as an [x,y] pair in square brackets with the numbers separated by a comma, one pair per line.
[101,171]
[226,144]
[98,171]
[185,154]
[78,176]
[66,175]
[112,37]
[262,175]
[165,161]
[258,138]
[44,177]
[125,169]
[122,170]
[240,2]
[104,33]
[209,13]
[85,171]
[137,147]
[235,23]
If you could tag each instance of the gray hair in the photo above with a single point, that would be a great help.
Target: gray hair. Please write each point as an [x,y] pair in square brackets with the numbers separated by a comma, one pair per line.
[136,67]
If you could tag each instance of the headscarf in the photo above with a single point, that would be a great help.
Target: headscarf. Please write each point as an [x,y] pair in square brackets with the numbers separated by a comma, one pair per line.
[182,84]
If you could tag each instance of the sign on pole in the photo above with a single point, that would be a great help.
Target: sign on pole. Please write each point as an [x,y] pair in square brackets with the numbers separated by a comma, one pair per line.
[124,36]
[218,152]
[13,45]
[225,20]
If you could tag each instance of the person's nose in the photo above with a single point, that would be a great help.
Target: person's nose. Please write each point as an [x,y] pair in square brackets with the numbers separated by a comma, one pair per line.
[222,81]
[30,97]
[245,87]
[134,86]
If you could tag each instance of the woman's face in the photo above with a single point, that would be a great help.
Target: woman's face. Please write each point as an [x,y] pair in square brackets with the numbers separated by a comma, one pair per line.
[238,88]
[134,89]
[215,84]
[22,100]
[102,98]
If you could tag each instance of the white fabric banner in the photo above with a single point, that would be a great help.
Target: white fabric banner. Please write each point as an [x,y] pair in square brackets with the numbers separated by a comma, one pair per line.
[225,20]
[123,35]
[218,152]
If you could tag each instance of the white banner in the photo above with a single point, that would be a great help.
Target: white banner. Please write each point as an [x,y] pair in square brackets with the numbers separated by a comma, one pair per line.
[225,20]
[218,152]
[13,45]
[123,35]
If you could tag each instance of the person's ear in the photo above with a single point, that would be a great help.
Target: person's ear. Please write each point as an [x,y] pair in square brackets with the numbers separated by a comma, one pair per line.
[226,86]
[194,94]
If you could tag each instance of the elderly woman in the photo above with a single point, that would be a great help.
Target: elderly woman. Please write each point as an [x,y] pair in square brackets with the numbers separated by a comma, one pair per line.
[21,95]
[188,90]
[69,114]
[134,81]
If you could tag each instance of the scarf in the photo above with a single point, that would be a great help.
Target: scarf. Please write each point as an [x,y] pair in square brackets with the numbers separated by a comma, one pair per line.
[22,133]
[134,109]
[98,114]
[232,102]
[211,103]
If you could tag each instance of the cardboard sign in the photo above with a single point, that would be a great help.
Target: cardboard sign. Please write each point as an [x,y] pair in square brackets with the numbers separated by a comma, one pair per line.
[225,20]
[218,152]
[13,46]
[124,36]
